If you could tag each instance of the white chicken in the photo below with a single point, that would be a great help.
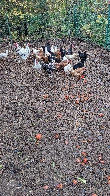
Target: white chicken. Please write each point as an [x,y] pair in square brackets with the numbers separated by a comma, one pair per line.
[37,65]
[53,49]
[46,52]
[68,68]
[35,51]
[23,52]
[4,54]
[65,59]
[71,57]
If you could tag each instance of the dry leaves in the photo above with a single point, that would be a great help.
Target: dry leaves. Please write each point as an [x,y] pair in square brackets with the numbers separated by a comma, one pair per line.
[38,136]
[59,186]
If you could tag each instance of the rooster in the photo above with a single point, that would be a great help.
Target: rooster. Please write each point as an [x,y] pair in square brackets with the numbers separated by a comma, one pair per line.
[79,68]
[82,56]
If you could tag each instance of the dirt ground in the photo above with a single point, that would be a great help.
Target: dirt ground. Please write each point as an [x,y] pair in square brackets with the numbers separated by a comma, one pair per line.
[72,157]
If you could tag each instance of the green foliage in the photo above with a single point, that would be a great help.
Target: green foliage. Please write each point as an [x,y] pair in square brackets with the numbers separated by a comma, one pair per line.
[50,18]
[92,20]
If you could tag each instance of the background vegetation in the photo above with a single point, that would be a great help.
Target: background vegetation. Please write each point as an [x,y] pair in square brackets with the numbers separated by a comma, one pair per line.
[48,18]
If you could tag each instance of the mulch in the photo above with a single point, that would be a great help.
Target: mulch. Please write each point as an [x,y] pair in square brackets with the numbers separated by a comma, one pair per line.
[72,157]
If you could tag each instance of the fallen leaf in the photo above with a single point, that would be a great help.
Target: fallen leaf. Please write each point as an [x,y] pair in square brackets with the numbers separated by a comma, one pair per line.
[94,195]
[46,187]
[77,124]
[60,186]
[108,177]
[83,153]
[71,96]
[102,161]
[42,160]
[45,96]
[78,146]
[82,180]
[84,141]
[74,182]
[100,158]
[101,115]
[82,77]
[79,96]
[67,97]
[77,101]
[38,136]
[85,81]
[85,98]
[59,115]
[78,160]
[89,140]
[56,136]
[66,142]
[63,89]
[85,160]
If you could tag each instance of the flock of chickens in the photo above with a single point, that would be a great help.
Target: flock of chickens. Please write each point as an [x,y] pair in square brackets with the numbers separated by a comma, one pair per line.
[51,58]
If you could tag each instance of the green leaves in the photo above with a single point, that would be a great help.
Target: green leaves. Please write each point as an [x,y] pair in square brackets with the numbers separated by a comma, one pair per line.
[88,19]
[91,21]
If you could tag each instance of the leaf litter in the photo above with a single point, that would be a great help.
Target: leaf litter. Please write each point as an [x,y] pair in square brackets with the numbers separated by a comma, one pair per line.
[24,114]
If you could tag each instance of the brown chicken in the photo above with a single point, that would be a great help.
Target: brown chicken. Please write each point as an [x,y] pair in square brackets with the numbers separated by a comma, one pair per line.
[40,54]
[61,65]
[58,56]
[78,72]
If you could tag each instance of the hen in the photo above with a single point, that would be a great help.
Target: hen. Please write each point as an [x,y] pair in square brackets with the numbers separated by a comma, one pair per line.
[63,51]
[71,56]
[49,68]
[79,68]
[4,54]
[37,65]
[35,51]
[68,68]
[78,72]
[82,56]
[23,52]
